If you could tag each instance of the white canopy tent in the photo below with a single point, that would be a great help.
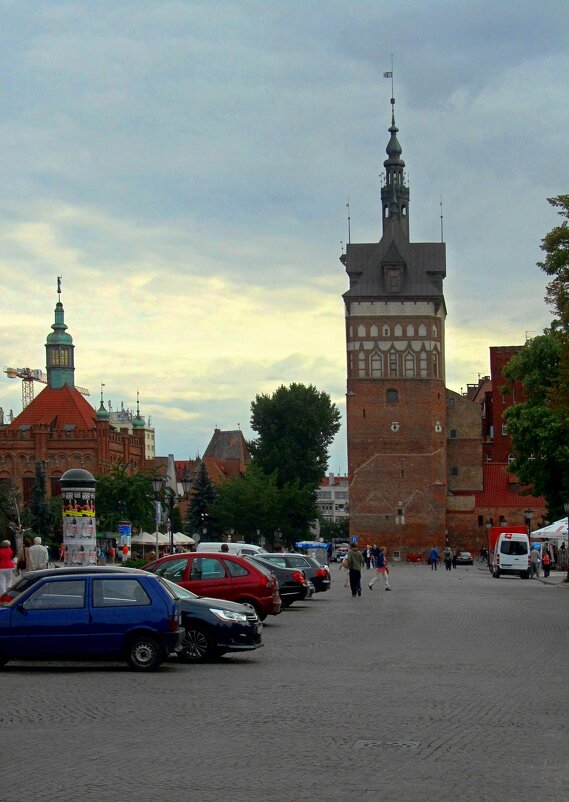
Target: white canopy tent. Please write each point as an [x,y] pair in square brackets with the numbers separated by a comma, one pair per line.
[555,532]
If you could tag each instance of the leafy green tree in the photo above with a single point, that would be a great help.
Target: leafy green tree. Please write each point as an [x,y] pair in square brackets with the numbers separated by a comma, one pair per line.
[295,428]
[249,503]
[200,509]
[335,529]
[41,518]
[555,244]
[121,495]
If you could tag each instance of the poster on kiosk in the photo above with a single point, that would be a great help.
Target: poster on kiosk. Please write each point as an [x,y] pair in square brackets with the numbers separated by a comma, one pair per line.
[79,526]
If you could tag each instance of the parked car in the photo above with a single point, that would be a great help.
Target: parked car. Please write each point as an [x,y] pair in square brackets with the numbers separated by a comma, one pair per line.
[316,573]
[293,584]
[83,615]
[211,627]
[222,576]
[464,558]
[235,547]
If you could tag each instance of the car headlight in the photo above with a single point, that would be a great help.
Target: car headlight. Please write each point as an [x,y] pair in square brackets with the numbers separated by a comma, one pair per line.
[228,615]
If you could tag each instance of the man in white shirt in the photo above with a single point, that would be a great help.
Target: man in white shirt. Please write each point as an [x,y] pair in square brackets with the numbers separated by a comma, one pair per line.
[38,556]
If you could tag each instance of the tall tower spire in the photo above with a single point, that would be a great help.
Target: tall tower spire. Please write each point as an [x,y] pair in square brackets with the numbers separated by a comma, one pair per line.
[59,350]
[394,192]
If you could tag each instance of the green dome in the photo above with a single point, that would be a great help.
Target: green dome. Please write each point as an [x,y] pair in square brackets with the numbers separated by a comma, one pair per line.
[138,422]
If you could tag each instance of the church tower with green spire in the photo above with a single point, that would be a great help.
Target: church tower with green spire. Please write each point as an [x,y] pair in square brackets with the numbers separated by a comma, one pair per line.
[59,350]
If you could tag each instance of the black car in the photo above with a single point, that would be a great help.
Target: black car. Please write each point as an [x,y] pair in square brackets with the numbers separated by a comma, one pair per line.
[318,574]
[293,583]
[212,627]
[215,626]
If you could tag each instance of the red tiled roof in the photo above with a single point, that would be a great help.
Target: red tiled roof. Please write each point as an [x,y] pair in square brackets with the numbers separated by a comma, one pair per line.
[497,489]
[57,408]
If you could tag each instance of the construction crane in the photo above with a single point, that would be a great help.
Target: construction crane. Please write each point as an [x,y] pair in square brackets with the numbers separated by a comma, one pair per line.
[28,377]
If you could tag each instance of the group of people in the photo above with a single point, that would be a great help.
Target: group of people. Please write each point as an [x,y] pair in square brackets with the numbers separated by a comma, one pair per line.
[449,558]
[31,557]
[355,560]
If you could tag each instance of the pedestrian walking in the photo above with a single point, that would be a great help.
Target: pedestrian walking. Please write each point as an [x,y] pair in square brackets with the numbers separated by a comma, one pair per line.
[546,562]
[6,566]
[367,557]
[381,569]
[344,565]
[534,562]
[433,558]
[448,556]
[22,559]
[38,556]
[454,558]
[355,562]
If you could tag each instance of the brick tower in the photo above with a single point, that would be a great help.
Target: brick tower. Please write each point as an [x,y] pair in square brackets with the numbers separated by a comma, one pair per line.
[395,405]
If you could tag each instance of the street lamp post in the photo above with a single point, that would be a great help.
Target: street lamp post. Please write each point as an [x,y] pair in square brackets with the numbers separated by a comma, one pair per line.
[529,514]
[157,487]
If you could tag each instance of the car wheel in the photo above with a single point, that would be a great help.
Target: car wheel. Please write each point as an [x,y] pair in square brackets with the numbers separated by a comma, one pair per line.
[286,602]
[144,653]
[197,646]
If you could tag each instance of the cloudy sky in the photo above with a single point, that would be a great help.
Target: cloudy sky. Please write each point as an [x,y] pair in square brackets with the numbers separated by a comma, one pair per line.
[185,166]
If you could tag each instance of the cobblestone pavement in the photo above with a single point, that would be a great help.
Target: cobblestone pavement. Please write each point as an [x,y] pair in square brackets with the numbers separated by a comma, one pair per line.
[452,687]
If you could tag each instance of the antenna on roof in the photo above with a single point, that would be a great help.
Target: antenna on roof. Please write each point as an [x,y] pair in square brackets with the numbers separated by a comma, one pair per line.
[442,236]
[59,288]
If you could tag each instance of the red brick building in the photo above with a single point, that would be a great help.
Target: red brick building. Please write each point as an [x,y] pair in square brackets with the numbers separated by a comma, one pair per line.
[426,465]
[61,429]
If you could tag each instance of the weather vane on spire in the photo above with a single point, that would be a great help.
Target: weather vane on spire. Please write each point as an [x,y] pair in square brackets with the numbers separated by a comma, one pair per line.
[59,287]
[390,75]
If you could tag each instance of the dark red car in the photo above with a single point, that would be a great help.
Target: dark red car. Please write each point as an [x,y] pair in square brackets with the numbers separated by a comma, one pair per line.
[222,576]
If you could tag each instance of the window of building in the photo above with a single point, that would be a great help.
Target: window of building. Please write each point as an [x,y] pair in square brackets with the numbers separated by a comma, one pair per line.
[410,330]
[398,330]
[451,402]
[392,396]
[394,279]
[374,331]
[435,365]
[452,434]
[376,366]
[454,471]
[392,363]
[511,457]
[386,331]
[409,366]
[361,331]
[361,364]
[65,357]
[423,369]
[422,330]
[504,429]
[435,331]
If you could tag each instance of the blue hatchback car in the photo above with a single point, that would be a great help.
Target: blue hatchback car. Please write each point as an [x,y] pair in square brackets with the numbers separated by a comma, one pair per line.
[86,616]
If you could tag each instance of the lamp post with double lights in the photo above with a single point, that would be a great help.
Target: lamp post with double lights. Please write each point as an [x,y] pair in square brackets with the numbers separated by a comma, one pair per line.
[528,515]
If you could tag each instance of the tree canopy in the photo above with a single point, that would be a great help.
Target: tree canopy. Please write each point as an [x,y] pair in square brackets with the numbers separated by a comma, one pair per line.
[122,495]
[200,512]
[539,425]
[295,428]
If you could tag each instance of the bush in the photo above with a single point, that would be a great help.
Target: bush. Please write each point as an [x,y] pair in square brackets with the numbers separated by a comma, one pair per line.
[135,563]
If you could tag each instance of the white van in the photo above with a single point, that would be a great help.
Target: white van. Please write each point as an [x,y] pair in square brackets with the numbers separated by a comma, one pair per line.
[243,549]
[511,555]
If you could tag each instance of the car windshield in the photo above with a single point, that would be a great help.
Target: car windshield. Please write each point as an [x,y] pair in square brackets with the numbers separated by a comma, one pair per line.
[178,591]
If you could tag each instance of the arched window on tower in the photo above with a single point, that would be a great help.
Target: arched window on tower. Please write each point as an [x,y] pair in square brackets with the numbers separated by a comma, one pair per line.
[376,366]
[410,330]
[422,330]
[361,331]
[392,364]
[361,365]
[423,365]
[385,331]
[398,331]
[435,331]
[409,366]
[373,331]
[435,365]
